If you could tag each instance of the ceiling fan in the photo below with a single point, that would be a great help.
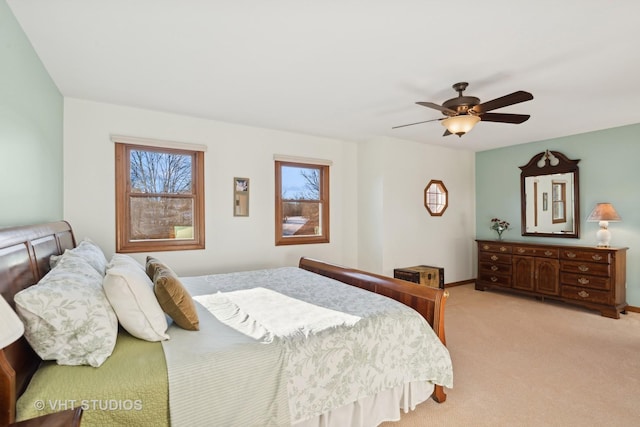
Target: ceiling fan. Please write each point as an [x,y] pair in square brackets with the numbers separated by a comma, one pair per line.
[464,112]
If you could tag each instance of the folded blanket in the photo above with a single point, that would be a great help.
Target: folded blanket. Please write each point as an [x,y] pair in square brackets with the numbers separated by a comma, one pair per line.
[272,314]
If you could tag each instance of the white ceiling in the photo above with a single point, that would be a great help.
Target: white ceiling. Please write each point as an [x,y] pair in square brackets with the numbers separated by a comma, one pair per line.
[349,69]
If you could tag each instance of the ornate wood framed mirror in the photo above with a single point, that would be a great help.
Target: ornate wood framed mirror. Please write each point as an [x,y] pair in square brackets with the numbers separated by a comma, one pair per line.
[550,196]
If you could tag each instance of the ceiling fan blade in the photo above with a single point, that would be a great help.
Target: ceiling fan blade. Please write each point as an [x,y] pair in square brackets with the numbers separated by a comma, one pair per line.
[438,107]
[503,101]
[504,118]
[417,123]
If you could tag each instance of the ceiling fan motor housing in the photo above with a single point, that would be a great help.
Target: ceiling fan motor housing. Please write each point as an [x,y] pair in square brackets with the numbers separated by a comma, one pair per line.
[461,104]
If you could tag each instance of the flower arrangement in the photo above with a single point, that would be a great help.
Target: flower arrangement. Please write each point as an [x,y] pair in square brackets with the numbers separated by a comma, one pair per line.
[500,226]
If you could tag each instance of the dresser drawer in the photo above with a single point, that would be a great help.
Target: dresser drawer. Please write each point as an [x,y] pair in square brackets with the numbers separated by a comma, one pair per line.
[496,279]
[493,257]
[585,281]
[494,268]
[584,255]
[495,247]
[590,295]
[579,267]
[536,251]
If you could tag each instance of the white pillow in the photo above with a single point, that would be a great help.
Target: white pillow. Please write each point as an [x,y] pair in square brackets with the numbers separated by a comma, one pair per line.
[67,316]
[126,260]
[130,292]
[92,254]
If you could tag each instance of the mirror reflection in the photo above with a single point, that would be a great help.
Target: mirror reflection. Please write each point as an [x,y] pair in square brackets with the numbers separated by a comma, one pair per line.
[550,197]
[547,203]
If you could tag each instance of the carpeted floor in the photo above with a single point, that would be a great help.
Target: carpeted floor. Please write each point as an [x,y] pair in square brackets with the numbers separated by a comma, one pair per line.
[522,362]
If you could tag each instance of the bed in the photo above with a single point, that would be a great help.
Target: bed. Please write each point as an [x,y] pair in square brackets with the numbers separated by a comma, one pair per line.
[172,381]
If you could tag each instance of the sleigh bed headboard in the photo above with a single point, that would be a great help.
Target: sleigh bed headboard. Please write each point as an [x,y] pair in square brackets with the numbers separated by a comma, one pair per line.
[24,260]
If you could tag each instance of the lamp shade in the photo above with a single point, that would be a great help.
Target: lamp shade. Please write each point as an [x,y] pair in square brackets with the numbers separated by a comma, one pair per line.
[461,124]
[604,212]
[11,327]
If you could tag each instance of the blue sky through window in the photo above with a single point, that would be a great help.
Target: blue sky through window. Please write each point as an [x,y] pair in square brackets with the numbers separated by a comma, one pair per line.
[293,183]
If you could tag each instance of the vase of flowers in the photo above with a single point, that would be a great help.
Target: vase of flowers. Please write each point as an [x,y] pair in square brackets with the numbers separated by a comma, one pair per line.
[500,226]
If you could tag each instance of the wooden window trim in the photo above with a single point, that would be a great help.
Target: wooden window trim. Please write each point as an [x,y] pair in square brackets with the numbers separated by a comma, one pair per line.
[123,242]
[561,200]
[439,189]
[281,240]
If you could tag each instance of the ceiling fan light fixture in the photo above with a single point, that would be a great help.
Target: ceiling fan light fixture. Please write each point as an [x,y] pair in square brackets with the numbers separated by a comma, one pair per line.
[464,112]
[460,124]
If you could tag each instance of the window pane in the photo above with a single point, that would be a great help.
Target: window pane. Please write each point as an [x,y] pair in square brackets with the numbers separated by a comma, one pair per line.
[301,219]
[302,203]
[161,218]
[163,173]
[300,183]
[436,198]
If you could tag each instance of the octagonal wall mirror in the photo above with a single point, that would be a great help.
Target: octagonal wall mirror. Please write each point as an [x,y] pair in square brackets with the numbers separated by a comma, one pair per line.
[550,196]
[436,197]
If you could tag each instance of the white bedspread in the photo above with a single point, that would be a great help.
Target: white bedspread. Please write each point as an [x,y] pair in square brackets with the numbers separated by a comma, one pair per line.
[341,343]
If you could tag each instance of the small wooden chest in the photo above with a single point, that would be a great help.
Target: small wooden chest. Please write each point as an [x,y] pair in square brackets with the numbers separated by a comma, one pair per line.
[422,274]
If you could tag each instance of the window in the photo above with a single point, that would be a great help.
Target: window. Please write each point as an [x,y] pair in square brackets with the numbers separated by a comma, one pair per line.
[302,203]
[558,202]
[436,197]
[159,198]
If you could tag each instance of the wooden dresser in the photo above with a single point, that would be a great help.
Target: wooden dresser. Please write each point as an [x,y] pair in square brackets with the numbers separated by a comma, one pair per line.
[592,277]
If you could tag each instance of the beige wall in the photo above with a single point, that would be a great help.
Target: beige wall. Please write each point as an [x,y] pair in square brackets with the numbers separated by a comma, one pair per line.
[232,243]
[378,220]
[400,232]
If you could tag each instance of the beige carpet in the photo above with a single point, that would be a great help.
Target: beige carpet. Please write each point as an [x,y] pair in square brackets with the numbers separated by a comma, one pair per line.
[522,362]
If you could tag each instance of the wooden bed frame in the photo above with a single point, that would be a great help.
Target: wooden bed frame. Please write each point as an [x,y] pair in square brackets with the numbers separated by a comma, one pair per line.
[24,260]
[429,302]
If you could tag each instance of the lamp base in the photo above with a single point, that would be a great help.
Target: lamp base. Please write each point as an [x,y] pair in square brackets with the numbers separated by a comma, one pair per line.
[603,235]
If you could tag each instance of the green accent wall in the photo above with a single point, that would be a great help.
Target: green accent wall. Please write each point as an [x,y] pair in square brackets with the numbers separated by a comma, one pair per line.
[31,123]
[609,172]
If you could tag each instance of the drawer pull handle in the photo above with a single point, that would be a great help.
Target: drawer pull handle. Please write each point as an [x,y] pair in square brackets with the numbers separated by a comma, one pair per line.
[548,253]
[494,258]
[521,250]
[494,279]
[494,268]
[583,280]
[503,249]
[596,257]
[583,294]
[571,254]
[485,247]
[583,267]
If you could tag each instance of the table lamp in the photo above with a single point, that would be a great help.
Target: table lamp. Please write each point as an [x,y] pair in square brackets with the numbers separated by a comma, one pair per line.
[603,213]
[11,327]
